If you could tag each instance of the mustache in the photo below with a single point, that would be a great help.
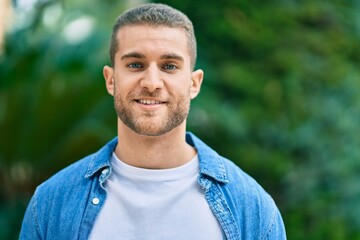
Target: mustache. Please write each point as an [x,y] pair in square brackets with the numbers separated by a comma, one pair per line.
[144,93]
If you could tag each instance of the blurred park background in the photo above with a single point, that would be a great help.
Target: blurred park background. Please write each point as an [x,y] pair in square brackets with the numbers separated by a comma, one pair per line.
[280,98]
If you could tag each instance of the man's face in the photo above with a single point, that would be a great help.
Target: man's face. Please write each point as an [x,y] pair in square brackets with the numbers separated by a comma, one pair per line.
[152,81]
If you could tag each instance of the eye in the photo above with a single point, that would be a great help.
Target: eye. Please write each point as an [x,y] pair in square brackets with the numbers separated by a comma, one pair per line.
[135,65]
[169,66]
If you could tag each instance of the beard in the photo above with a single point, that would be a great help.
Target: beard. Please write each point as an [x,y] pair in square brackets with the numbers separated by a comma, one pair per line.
[152,123]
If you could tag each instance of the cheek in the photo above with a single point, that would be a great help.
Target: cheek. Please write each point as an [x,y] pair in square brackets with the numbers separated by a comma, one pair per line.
[127,83]
[118,90]
[180,84]
[123,85]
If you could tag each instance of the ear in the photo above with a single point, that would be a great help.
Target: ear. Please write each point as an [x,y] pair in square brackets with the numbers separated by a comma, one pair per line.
[196,81]
[108,73]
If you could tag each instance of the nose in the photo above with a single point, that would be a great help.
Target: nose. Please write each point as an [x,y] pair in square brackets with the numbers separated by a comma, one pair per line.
[152,80]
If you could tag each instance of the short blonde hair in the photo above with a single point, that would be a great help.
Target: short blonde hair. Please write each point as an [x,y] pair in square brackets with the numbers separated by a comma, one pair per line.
[154,14]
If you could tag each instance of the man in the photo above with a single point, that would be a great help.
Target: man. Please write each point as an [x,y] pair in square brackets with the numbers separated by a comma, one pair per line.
[154,181]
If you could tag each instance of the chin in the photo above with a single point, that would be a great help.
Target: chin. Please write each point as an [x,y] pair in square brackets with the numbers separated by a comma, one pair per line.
[151,132]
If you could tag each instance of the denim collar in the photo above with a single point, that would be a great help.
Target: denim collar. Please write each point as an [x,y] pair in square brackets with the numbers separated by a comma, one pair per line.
[211,164]
[101,159]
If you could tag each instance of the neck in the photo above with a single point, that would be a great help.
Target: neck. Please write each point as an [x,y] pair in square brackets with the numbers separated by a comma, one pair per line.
[166,151]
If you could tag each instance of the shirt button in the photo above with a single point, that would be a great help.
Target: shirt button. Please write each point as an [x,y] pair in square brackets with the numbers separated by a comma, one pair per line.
[95,201]
[105,171]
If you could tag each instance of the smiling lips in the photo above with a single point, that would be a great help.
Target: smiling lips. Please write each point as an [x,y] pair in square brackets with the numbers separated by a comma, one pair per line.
[150,105]
[149,102]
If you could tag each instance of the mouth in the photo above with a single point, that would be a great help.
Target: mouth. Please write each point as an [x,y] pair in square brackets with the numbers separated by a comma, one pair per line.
[149,101]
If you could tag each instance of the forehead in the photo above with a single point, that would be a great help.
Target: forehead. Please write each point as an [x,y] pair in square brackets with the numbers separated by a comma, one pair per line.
[152,39]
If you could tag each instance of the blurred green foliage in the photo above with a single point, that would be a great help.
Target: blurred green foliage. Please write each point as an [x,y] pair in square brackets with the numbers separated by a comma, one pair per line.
[54,108]
[280,99]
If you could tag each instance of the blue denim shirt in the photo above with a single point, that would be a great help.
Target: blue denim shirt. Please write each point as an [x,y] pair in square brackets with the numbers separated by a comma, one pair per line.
[66,205]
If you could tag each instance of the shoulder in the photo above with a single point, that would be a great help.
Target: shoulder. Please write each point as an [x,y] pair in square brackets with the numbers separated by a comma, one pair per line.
[65,195]
[242,186]
[47,205]
[248,200]
[62,186]
[80,172]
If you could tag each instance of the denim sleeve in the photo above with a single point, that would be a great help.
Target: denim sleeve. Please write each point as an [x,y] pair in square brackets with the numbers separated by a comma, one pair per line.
[30,227]
[277,228]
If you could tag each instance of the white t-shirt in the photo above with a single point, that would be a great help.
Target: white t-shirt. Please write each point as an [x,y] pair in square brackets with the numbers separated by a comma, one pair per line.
[155,204]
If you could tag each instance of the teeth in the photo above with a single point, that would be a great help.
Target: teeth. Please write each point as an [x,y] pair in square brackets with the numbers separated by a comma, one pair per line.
[148,102]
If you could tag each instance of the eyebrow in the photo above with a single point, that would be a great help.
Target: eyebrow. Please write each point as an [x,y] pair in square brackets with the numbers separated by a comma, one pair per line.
[132,55]
[172,56]
[168,56]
